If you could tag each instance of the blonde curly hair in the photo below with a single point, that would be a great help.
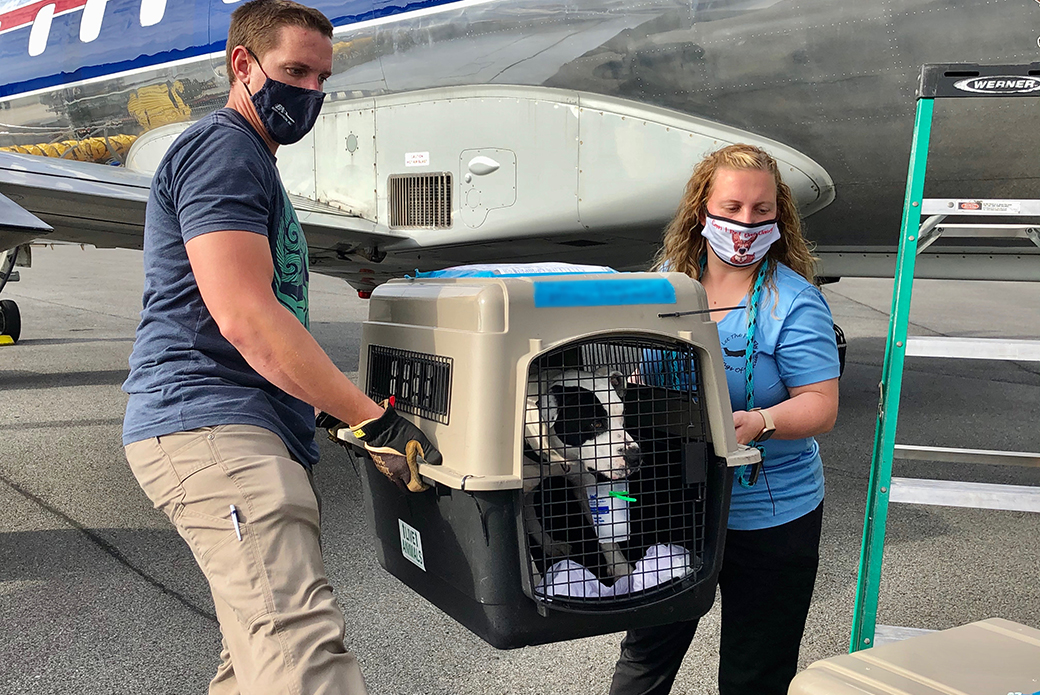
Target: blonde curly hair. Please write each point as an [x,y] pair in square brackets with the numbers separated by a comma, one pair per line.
[683,245]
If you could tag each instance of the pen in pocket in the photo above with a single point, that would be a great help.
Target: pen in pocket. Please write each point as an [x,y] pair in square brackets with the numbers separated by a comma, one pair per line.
[234,520]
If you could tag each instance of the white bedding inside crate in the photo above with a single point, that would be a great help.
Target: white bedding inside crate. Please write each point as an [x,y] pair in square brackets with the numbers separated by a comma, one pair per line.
[661,564]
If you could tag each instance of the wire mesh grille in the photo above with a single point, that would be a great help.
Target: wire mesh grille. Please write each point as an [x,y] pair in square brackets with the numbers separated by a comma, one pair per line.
[420,200]
[614,473]
[420,383]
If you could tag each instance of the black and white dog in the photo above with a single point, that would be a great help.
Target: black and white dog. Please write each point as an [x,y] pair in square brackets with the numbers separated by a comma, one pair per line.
[575,429]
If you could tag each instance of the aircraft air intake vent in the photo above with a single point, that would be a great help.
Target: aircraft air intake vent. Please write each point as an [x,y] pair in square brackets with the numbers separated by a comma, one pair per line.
[420,200]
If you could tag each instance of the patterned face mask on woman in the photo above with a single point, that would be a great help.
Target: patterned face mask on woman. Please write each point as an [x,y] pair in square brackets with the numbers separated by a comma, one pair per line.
[737,243]
[287,112]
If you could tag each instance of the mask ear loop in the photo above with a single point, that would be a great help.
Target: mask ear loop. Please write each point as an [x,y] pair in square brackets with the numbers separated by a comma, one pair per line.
[257,61]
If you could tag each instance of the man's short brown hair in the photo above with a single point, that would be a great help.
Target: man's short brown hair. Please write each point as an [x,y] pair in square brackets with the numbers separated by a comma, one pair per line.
[256,26]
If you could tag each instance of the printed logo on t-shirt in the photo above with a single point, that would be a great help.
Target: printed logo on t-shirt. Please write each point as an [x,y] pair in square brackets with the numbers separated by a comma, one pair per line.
[290,263]
[734,347]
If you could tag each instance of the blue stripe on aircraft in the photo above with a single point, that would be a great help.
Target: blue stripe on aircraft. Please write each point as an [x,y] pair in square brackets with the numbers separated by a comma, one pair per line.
[182,33]
[88,72]
[67,59]
[379,13]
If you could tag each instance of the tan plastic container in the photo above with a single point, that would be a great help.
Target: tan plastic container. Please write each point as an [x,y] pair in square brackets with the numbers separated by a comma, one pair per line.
[485,331]
[532,386]
[989,657]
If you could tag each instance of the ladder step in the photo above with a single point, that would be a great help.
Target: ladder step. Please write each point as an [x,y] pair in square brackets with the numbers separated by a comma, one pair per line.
[955,493]
[951,455]
[886,634]
[931,230]
[978,206]
[988,231]
[974,348]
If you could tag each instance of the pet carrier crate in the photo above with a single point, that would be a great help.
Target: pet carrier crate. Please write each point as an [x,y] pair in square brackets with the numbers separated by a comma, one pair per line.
[988,657]
[585,428]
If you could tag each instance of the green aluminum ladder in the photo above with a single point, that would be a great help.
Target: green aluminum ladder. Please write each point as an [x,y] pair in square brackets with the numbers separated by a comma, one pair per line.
[937,82]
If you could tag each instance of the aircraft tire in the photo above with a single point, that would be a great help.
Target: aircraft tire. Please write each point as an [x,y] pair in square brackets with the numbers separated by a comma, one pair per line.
[10,319]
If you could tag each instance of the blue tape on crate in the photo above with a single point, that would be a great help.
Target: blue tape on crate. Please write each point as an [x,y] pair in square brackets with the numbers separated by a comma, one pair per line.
[513,270]
[563,293]
[434,274]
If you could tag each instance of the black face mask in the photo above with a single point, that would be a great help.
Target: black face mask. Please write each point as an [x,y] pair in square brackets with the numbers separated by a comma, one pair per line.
[287,112]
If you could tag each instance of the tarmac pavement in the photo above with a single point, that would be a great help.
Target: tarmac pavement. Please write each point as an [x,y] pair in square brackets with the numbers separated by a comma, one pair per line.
[98,594]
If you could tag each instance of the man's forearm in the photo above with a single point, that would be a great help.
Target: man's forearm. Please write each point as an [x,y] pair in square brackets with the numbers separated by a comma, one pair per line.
[281,350]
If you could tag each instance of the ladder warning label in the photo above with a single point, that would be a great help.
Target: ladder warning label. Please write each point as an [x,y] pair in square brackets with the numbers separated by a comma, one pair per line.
[995,207]
[411,545]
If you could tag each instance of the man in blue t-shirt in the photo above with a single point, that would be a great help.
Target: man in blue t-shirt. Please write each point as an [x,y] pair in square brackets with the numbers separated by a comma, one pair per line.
[225,377]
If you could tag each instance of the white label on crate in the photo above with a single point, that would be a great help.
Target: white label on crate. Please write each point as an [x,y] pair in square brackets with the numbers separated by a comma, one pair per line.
[609,512]
[411,545]
[417,159]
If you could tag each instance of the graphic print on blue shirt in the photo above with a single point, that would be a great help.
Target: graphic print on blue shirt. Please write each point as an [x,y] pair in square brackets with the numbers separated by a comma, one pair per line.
[291,272]
[734,346]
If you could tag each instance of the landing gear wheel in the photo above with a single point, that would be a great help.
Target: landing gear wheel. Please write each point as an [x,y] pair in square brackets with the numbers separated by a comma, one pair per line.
[10,319]
[7,259]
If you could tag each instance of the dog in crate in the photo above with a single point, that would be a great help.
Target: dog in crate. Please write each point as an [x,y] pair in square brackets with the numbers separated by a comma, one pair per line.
[575,441]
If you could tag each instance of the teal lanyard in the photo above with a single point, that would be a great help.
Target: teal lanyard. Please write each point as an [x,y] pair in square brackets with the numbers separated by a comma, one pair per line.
[748,475]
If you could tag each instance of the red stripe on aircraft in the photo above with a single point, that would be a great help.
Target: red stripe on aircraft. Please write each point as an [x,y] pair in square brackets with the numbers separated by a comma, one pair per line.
[25,15]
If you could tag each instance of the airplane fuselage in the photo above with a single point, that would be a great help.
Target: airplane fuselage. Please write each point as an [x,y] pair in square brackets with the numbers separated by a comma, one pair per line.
[833,81]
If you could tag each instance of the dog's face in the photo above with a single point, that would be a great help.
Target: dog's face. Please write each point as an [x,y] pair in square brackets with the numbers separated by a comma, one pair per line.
[742,245]
[584,412]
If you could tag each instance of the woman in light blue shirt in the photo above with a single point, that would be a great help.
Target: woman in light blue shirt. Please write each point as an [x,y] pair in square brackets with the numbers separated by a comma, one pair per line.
[738,232]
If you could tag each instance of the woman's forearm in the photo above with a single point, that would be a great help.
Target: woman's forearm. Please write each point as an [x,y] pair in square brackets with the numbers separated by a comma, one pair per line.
[810,410]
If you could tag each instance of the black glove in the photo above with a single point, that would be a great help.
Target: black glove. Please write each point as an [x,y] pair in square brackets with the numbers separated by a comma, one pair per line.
[394,444]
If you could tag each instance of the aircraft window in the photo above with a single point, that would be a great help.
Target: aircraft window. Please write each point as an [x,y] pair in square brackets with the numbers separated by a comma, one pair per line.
[41,29]
[90,24]
[152,12]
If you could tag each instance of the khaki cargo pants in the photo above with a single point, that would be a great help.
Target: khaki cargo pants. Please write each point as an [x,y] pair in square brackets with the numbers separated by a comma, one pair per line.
[282,629]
